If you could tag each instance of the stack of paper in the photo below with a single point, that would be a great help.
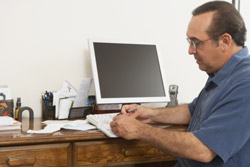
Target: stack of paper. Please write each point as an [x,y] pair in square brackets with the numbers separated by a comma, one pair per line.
[8,123]
[64,107]
[67,91]
[68,96]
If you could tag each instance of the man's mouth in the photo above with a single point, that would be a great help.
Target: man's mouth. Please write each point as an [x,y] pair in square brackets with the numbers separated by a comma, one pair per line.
[198,61]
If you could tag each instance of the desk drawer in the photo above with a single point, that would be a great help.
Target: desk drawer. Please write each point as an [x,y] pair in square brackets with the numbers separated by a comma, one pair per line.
[56,155]
[116,152]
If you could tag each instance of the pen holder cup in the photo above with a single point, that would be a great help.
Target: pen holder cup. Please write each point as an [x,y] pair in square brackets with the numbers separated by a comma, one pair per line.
[48,110]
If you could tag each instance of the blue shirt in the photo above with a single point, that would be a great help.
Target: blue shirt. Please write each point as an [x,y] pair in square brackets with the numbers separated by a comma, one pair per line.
[221,115]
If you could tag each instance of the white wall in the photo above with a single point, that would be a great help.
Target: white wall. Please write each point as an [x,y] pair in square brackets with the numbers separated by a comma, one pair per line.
[244,10]
[44,42]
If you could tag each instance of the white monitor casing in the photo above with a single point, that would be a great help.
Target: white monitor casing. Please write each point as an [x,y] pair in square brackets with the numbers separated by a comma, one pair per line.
[125,100]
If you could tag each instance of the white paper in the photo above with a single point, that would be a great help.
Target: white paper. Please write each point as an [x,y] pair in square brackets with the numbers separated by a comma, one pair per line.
[47,122]
[5,120]
[55,125]
[83,92]
[78,125]
[67,90]
[48,129]
[56,98]
[64,107]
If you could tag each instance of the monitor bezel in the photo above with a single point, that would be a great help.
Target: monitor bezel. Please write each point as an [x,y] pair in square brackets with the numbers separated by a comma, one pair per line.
[101,100]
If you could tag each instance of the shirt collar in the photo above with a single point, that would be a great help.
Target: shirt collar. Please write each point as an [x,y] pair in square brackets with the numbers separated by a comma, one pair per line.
[227,69]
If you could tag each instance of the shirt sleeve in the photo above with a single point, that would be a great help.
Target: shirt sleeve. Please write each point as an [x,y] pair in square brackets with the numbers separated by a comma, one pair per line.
[191,106]
[227,129]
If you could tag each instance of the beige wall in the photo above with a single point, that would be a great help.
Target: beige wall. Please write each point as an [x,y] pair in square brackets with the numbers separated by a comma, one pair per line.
[44,42]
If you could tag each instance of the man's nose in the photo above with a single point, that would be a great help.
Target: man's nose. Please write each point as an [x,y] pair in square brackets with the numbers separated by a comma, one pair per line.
[191,50]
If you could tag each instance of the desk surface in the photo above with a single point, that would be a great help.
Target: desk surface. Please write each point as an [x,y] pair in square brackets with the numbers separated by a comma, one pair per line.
[21,137]
[68,148]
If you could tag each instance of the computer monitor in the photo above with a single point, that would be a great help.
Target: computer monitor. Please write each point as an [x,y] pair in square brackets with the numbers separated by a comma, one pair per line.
[127,72]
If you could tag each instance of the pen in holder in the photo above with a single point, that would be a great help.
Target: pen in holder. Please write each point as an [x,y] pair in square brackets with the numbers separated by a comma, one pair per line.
[48,110]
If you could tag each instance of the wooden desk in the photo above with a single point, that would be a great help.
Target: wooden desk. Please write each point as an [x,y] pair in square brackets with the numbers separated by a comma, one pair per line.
[68,148]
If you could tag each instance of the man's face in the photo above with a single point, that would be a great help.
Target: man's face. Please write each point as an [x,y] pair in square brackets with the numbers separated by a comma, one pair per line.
[207,53]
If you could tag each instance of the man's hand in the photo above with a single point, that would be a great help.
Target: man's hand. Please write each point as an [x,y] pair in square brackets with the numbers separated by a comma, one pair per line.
[126,126]
[142,114]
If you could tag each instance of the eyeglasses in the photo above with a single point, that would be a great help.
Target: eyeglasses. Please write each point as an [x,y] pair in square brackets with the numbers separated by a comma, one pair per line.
[195,44]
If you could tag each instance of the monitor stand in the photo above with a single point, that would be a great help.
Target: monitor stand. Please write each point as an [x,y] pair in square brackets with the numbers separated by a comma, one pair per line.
[107,108]
[110,108]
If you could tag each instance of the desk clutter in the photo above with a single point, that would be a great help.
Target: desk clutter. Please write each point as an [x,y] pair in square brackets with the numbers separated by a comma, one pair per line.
[8,123]
[68,102]
[56,125]
[7,105]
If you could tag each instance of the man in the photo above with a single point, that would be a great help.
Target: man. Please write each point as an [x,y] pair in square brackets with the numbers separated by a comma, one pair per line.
[219,126]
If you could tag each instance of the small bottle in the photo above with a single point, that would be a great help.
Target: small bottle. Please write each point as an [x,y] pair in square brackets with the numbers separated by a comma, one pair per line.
[18,105]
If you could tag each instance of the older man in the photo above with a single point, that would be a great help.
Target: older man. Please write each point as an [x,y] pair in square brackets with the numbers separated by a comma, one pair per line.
[219,128]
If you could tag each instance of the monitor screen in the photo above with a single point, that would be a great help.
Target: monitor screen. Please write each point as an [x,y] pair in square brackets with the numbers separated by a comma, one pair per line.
[127,72]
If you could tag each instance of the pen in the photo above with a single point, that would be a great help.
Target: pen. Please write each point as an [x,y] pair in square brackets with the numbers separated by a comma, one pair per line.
[130,110]
[133,109]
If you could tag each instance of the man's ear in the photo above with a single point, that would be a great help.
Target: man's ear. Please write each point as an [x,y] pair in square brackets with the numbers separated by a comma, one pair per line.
[225,41]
